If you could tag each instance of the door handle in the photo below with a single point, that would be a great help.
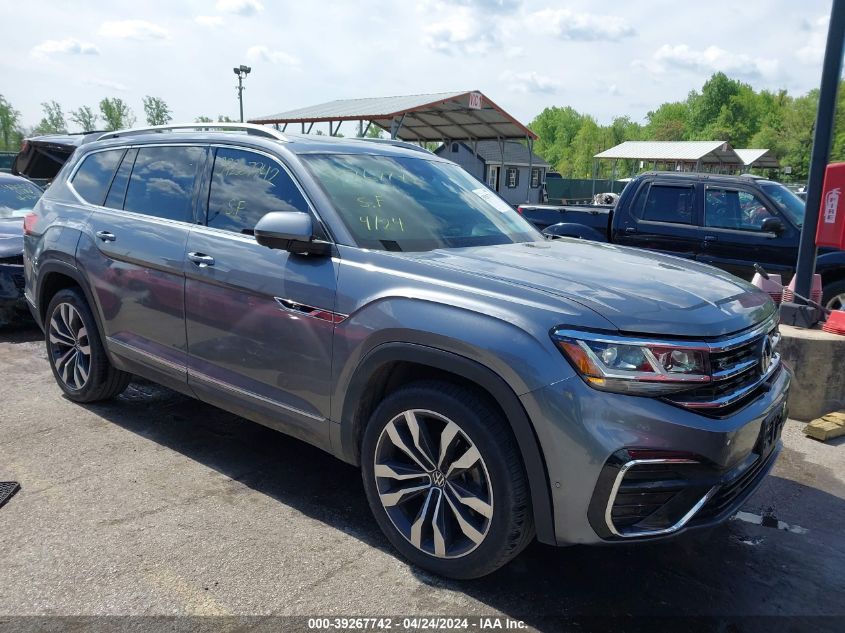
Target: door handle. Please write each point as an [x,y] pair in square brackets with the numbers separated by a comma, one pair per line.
[105,236]
[710,238]
[630,229]
[201,259]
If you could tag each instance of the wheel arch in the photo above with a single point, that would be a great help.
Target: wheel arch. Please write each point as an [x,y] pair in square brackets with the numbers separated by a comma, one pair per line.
[391,365]
[55,276]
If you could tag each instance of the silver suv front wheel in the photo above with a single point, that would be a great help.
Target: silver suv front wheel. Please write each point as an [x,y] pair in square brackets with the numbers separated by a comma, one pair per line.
[433,483]
[445,480]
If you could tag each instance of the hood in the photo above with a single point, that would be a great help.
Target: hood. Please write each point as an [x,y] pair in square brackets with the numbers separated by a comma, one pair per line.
[638,291]
[11,237]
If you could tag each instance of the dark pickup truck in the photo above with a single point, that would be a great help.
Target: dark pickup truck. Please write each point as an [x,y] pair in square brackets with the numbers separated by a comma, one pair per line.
[731,222]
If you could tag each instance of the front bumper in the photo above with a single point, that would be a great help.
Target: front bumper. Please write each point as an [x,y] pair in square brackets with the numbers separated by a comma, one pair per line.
[13,306]
[591,441]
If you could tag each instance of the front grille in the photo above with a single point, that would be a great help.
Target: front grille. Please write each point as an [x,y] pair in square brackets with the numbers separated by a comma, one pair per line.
[19,281]
[737,373]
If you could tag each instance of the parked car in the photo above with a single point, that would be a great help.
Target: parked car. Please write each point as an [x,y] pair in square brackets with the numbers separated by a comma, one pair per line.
[41,157]
[17,197]
[731,222]
[6,160]
[378,302]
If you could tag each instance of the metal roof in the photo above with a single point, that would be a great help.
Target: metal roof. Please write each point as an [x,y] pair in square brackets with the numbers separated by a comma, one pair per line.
[757,158]
[426,117]
[489,151]
[691,151]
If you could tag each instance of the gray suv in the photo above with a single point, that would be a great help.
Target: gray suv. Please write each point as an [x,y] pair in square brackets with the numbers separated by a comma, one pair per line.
[378,302]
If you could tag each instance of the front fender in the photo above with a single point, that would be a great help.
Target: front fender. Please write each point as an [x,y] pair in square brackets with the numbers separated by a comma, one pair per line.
[513,346]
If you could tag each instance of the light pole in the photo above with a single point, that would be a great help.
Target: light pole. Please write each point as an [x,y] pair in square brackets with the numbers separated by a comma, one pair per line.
[241,71]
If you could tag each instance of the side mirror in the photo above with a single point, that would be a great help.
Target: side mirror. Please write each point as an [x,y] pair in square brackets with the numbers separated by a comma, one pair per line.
[773,225]
[290,231]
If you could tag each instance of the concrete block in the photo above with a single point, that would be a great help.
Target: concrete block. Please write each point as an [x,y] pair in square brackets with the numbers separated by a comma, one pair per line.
[818,360]
[826,427]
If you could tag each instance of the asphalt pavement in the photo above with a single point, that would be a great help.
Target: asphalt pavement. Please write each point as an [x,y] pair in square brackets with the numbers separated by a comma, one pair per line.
[157,505]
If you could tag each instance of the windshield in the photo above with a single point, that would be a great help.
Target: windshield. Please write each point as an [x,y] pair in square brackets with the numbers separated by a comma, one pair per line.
[787,201]
[414,204]
[17,198]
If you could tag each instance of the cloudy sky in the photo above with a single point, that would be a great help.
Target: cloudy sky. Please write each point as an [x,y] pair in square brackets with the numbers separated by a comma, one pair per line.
[605,58]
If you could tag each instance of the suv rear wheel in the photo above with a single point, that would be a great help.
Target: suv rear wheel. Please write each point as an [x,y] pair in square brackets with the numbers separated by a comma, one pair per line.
[76,353]
[445,480]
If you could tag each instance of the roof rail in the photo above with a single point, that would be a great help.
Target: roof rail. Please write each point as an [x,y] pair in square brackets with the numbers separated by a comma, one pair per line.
[392,141]
[249,128]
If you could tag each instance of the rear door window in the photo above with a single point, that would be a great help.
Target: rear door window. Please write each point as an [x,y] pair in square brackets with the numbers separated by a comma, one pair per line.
[245,186]
[91,181]
[163,180]
[669,203]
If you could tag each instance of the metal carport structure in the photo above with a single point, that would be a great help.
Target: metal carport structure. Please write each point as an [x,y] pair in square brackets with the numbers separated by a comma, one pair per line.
[683,154]
[438,117]
[758,158]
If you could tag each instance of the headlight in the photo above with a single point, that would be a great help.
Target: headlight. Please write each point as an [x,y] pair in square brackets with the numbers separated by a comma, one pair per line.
[614,363]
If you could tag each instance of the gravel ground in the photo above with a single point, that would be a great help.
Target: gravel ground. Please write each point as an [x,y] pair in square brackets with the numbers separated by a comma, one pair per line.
[157,505]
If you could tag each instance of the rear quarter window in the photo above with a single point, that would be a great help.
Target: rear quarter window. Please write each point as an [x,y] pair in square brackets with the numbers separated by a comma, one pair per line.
[162,182]
[666,203]
[93,178]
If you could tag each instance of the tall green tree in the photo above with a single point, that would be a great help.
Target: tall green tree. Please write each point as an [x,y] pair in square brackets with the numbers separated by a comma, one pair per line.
[556,128]
[156,111]
[586,144]
[669,122]
[10,132]
[53,121]
[85,118]
[705,107]
[117,115]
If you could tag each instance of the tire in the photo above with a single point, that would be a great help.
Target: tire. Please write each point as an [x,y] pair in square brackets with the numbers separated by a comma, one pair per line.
[488,487]
[75,350]
[834,296]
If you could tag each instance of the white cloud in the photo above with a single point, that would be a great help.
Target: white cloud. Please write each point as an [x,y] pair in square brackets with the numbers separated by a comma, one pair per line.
[133,30]
[487,6]
[265,54]
[67,46]
[209,20]
[529,82]
[813,51]
[713,59]
[461,32]
[584,27]
[239,7]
